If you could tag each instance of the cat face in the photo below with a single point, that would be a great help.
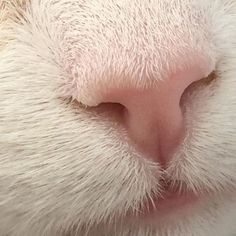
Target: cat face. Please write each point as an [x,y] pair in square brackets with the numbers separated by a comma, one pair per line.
[118,118]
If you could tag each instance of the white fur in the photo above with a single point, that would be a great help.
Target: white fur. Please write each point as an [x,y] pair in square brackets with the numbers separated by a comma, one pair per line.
[65,169]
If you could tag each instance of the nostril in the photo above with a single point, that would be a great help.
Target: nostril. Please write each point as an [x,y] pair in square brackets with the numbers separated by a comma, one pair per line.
[205,81]
[110,110]
[109,106]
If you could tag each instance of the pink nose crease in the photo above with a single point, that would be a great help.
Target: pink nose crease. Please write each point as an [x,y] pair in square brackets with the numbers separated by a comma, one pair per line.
[153,117]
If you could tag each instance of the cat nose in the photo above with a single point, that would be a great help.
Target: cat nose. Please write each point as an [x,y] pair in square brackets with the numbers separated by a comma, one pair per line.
[153,116]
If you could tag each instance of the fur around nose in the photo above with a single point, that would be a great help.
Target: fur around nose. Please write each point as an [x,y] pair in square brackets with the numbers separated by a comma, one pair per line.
[153,117]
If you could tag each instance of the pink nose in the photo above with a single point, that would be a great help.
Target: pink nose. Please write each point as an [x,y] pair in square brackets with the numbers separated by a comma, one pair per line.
[153,117]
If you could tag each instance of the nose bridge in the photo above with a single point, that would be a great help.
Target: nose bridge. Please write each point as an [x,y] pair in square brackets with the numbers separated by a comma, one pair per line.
[138,68]
[133,43]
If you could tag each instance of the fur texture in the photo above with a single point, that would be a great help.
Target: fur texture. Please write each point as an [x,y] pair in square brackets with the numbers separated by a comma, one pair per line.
[66,169]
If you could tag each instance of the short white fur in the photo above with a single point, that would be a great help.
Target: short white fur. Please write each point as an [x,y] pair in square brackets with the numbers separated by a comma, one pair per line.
[66,169]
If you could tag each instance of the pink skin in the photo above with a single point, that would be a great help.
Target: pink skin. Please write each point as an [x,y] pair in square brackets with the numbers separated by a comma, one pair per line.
[155,129]
[170,202]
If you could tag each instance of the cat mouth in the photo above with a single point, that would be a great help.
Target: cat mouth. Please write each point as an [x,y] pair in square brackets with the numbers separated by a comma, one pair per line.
[170,201]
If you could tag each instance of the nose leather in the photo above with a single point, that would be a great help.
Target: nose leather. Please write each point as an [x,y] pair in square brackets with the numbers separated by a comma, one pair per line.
[153,117]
